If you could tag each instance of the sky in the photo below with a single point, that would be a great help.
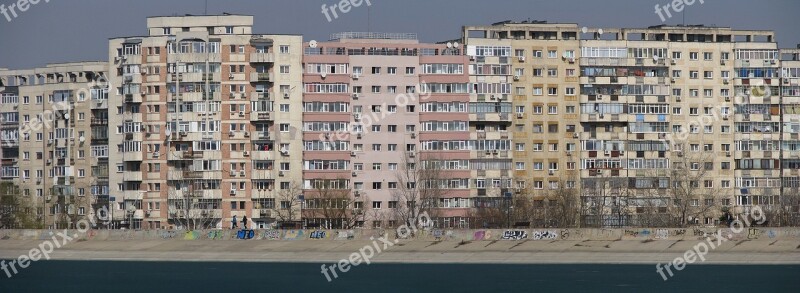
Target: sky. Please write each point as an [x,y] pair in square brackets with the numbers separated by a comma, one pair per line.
[78,30]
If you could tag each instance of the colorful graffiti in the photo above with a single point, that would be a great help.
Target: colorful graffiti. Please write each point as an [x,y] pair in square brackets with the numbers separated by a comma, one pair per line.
[216,235]
[514,235]
[293,234]
[271,235]
[482,235]
[345,235]
[191,235]
[245,234]
[544,235]
[318,234]
[168,234]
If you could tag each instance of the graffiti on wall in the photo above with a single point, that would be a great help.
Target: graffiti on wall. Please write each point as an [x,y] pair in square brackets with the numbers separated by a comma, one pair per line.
[544,235]
[271,235]
[191,235]
[482,235]
[345,235]
[514,235]
[168,234]
[293,234]
[216,235]
[318,234]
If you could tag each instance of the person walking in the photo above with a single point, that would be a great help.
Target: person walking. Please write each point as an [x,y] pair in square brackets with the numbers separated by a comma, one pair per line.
[244,222]
[234,223]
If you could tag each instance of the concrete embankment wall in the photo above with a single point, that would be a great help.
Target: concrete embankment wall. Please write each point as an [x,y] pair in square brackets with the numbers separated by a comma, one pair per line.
[640,234]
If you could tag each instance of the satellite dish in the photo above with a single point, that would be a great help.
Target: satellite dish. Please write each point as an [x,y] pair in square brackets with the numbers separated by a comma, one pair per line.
[168,132]
[456,45]
[66,116]
[312,44]
[449,45]
[584,29]
[655,58]
[600,31]
[324,74]
[82,138]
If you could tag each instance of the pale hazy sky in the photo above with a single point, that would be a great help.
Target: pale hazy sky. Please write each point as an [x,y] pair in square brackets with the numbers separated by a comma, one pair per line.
[78,30]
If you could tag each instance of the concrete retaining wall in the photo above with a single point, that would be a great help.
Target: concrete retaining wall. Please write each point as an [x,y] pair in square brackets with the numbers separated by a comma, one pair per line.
[640,234]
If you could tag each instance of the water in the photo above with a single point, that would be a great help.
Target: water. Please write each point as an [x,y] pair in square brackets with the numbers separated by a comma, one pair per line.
[109,276]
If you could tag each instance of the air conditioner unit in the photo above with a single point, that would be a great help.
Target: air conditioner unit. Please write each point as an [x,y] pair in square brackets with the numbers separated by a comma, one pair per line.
[352,154]
[551,172]
[725,117]
[677,98]
[233,191]
[232,95]
[241,173]
[232,133]
[285,95]
[280,173]
[494,152]
[246,153]
[673,80]
[233,173]
[183,133]
[575,135]
[357,117]
[673,61]
[358,135]
[413,135]
[519,115]
[607,153]
[728,153]
[571,60]
[721,62]
[599,97]
[725,80]
[356,193]
[49,161]
[285,153]
[727,99]
[156,155]
[521,58]
[246,134]
[411,154]
[241,113]
[354,174]
[230,76]
[355,76]
[355,95]
[516,77]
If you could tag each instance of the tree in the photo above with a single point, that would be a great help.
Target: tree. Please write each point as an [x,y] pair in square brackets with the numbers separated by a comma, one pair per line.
[288,205]
[564,203]
[604,201]
[420,186]
[692,190]
[16,210]
[332,206]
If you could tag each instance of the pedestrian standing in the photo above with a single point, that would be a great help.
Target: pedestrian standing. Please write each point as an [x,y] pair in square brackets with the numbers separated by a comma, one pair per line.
[244,222]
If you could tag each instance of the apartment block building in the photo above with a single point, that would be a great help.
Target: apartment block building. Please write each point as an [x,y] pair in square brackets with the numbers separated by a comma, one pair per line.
[206,120]
[201,120]
[537,64]
[51,148]
[377,109]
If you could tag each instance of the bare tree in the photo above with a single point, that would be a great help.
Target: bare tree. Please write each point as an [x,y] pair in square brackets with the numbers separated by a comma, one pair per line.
[16,210]
[421,183]
[288,206]
[333,206]
[692,191]
[564,203]
[604,201]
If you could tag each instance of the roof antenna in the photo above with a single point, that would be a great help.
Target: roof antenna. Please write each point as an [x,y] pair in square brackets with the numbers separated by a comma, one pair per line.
[369,20]
[206,13]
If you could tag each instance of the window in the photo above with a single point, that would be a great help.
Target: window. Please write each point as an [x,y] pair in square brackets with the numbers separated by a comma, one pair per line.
[284,49]
[376,166]
[284,127]
[552,54]
[409,70]
[376,205]
[229,30]
[708,56]
[537,53]
[376,185]
[284,69]
[693,56]
[376,70]
[694,74]
[676,55]
[391,70]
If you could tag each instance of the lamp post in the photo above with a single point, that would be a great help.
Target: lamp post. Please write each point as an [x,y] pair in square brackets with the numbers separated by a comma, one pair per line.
[302,199]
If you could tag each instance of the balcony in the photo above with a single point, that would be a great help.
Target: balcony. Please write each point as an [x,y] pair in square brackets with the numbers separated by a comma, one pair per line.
[99,104]
[261,116]
[262,57]
[259,96]
[132,176]
[261,77]
[99,122]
